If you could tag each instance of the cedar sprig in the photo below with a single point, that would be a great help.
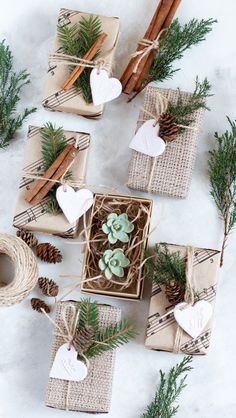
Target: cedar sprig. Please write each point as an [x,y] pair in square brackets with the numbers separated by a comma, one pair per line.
[11,84]
[183,112]
[222,172]
[76,40]
[170,387]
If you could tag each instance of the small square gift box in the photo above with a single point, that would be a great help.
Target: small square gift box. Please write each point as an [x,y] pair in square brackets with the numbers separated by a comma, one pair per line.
[82,364]
[37,207]
[116,240]
[164,152]
[182,299]
[78,78]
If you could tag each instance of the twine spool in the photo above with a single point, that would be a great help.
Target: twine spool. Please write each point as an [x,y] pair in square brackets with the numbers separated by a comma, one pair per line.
[25,270]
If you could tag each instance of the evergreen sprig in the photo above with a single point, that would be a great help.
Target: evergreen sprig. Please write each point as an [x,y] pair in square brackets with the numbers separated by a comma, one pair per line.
[11,84]
[76,40]
[164,266]
[171,386]
[222,172]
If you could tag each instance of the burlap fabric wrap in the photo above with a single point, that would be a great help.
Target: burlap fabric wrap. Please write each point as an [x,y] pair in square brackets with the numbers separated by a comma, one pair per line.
[36,218]
[54,98]
[173,169]
[162,327]
[94,393]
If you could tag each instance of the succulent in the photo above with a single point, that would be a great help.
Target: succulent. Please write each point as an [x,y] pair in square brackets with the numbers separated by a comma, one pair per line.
[112,263]
[117,227]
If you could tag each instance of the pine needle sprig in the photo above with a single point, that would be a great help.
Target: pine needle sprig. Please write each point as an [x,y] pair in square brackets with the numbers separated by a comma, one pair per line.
[88,314]
[222,172]
[170,387]
[76,40]
[11,84]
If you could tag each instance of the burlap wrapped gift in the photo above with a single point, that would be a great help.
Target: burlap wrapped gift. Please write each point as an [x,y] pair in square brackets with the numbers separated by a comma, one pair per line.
[170,173]
[162,328]
[55,98]
[93,394]
[36,218]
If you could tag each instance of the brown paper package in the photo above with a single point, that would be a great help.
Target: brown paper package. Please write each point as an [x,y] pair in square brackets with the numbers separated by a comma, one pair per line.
[93,394]
[161,328]
[173,169]
[36,218]
[54,97]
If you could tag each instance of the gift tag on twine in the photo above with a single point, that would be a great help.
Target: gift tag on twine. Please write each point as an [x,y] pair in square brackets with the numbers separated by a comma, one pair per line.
[66,366]
[147,140]
[104,88]
[74,204]
[193,319]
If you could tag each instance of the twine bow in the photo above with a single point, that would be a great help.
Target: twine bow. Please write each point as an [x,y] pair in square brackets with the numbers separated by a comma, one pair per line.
[64,59]
[148,47]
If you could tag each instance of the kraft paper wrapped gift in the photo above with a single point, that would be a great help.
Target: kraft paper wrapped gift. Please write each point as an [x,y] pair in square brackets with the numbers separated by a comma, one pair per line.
[170,173]
[36,218]
[93,394]
[55,98]
[162,327]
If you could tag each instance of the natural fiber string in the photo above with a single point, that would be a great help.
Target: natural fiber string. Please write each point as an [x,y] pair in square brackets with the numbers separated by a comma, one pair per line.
[148,47]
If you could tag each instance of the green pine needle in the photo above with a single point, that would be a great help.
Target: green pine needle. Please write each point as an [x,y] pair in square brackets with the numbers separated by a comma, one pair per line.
[53,143]
[11,84]
[170,387]
[76,40]
[88,314]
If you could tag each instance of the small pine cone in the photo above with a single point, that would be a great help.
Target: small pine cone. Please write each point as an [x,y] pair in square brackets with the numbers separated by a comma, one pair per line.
[83,338]
[28,237]
[38,304]
[48,286]
[48,253]
[168,127]
[174,292]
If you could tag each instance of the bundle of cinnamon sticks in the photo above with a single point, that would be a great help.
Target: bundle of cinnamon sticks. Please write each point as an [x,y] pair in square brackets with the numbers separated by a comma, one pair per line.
[133,77]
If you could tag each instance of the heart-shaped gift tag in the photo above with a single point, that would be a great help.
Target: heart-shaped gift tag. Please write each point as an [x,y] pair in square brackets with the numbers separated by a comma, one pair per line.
[103,88]
[66,366]
[147,140]
[193,319]
[74,204]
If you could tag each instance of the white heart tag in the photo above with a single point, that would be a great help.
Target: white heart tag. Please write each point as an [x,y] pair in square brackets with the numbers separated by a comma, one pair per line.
[66,366]
[147,140]
[103,88]
[193,319]
[74,204]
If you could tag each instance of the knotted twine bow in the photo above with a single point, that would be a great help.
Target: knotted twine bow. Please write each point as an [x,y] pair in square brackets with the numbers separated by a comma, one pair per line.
[64,59]
[148,47]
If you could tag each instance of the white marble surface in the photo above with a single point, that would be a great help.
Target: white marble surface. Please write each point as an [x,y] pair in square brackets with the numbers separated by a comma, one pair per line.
[25,337]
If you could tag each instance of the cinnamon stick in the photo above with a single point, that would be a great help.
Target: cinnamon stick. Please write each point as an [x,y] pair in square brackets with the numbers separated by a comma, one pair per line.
[90,54]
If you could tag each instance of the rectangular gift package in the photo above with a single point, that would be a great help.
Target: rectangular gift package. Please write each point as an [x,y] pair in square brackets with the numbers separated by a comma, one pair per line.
[162,327]
[93,394]
[139,211]
[170,173]
[36,218]
[55,98]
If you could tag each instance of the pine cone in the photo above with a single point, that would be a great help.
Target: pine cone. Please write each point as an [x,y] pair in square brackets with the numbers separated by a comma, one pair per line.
[168,127]
[48,286]
[28,237]
[48,253]
[83,338]
[174,292]
[38,304]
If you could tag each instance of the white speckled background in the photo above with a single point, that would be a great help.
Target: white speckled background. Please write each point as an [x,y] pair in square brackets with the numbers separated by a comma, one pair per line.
[25,337]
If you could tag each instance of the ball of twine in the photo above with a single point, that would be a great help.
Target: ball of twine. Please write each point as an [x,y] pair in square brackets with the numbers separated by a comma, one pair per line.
[25,270]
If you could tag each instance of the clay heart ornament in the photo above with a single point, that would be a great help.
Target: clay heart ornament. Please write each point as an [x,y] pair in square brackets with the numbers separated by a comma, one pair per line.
[147,140]
[193,319]
[74,204]
[103,88]
[66,366]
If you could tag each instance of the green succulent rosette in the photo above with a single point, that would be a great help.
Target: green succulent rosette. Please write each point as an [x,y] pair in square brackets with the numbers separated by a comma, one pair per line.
[113,262]
[117,228]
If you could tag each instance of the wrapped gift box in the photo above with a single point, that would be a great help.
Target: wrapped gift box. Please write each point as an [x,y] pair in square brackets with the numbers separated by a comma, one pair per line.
[55,98]
[36,218]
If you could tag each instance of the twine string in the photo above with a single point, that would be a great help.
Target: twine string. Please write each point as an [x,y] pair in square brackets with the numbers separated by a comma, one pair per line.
[148,47]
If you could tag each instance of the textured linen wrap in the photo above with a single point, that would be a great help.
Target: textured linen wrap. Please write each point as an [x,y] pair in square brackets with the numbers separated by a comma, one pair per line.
[36,218]
[93,394]
[172,171]
[54,97]
[162,328]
